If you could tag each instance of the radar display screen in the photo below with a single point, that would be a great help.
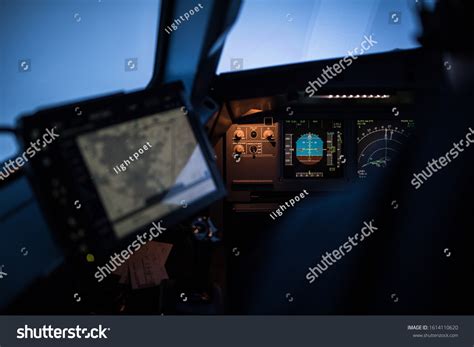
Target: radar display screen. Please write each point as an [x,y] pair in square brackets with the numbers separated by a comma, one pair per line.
[143,169]
[378,143]
[313,149]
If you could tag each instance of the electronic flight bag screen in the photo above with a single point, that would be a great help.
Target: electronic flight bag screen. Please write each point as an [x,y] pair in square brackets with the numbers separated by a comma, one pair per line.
[146,168]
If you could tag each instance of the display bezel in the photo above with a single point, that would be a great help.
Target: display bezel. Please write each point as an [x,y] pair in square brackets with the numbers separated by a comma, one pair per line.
[67,166]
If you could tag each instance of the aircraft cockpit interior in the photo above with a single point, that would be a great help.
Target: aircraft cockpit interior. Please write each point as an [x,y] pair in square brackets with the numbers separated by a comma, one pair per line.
[236,157]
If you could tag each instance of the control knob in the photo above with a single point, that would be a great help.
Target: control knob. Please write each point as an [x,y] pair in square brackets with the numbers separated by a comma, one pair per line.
[239,149]
[268,134]
[239,134]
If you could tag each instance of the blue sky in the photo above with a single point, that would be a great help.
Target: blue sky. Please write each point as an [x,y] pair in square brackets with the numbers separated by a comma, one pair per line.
[290,31]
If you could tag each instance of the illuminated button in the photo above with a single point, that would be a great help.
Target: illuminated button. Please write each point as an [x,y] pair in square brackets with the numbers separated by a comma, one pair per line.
[239,134]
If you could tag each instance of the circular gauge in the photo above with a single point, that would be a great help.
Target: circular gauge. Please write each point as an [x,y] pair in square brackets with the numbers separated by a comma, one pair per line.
[378,143]
[309,149]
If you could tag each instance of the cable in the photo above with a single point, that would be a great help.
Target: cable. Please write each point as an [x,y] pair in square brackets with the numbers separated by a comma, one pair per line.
[8,130]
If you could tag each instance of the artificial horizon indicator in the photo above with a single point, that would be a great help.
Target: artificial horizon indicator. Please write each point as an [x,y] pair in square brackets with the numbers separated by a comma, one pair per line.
[312,149]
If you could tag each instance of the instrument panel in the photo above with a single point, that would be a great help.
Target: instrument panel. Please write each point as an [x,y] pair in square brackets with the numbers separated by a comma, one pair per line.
[252,155]
[254,141]
[309,153]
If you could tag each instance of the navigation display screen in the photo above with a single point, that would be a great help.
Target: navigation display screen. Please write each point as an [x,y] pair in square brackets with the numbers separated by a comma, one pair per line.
[379,142]
[313,149]
[146,168]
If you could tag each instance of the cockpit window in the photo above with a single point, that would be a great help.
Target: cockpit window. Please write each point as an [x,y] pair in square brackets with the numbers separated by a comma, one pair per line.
[278,32]
[54,52]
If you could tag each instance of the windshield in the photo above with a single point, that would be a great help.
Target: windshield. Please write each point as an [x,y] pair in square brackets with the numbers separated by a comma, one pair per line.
[60,51]
[295,31]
